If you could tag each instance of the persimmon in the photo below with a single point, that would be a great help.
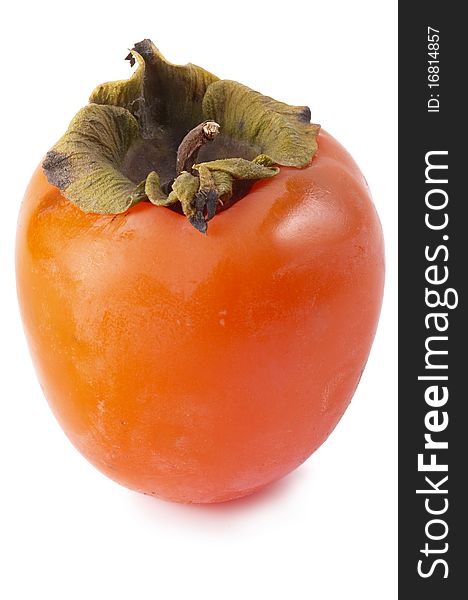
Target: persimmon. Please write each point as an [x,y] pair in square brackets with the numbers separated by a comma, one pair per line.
[197,367]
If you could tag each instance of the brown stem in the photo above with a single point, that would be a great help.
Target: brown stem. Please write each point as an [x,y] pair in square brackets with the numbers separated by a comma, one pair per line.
[190,146]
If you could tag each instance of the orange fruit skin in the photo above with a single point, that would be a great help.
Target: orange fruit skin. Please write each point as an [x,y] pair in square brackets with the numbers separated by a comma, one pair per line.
[200,368]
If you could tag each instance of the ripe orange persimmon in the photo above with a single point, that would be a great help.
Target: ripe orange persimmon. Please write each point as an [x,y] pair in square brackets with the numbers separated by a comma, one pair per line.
[200,368]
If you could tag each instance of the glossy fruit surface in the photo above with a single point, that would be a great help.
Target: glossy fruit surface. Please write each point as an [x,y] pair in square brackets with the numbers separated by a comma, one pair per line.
[200,368]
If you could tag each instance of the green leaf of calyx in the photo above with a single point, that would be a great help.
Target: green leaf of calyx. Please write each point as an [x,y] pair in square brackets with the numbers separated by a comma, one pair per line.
[138,140]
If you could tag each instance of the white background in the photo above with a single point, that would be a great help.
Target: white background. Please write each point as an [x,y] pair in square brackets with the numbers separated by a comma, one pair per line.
[328,531]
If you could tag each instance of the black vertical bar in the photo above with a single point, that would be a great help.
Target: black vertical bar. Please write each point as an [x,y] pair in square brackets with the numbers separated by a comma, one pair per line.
[433,332]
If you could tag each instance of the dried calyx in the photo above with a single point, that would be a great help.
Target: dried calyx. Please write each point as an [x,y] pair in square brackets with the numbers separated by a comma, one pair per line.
[175,136]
